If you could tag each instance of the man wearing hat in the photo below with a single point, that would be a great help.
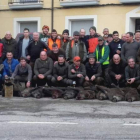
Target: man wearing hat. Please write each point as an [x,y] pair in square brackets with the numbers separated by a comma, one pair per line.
[93,71]
[76,71]
[102,54]
[65,39]
[45,34]
[76,48]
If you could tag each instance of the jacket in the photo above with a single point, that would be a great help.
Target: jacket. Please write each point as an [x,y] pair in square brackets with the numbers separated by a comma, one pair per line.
[103,59]
[60,70]
[6,70]
[9,46]
[44,67]
[19,46]
[80,70]
[76,49]
[95,70]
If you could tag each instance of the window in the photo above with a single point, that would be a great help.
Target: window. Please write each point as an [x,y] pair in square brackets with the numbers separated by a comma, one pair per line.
[75,23]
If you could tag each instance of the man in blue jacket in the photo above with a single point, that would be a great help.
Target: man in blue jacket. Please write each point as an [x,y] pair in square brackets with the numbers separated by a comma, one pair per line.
[9,65]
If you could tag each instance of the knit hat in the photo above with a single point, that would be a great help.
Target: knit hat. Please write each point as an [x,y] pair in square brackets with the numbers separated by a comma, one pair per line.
[76,33]
[76,58]
[45,27]
[93,27]
[100,38]
[91,56]
[66,31]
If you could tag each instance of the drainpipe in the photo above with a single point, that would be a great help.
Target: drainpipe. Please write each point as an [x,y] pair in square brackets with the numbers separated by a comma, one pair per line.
[52,14]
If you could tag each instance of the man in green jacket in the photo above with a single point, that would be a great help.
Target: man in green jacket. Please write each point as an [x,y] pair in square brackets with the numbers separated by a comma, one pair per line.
[102,53]
[102,56]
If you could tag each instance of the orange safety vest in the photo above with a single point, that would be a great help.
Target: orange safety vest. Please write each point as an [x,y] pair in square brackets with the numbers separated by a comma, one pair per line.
[50,43]
[93,42]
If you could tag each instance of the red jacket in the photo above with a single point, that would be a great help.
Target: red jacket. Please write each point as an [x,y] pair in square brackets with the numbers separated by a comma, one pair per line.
[1,49]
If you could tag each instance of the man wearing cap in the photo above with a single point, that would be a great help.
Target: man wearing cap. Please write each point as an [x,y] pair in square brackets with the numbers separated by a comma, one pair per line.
[55,52]
[93,71]
[76,71]
[76,48]
[54,39]
[60,72]
[65,39]
[44,36]
[10,45]
[102,54]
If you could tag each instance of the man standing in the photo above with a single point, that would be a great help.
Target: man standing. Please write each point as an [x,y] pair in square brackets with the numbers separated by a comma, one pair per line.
[55,52]
[76,71]
[137,36]
[44,36]
[9,65]
[92,40]
[116,45]
[34,48]
[65,39]
[105,34]
[22,44]
[132,73]
[10,45]
[43,69]
[23,72]
[102,54]
[54,39]
[116,71]
[60,72]
[130,48]
[123,37]
[93,71]
[76,48]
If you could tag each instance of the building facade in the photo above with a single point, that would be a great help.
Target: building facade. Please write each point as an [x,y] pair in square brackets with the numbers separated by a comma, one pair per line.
[120,15]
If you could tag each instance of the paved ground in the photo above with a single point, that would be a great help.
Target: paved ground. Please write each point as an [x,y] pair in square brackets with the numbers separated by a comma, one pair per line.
[48,119]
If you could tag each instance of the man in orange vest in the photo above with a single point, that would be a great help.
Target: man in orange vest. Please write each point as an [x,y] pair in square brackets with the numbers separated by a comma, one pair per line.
[54,39]
[93,39]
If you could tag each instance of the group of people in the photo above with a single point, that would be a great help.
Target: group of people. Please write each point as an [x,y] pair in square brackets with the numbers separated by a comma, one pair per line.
[52,59]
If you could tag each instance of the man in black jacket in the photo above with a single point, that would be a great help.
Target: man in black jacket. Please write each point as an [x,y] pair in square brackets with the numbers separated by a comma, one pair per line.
[10,45]
[93,71]
[116,45]
[34,48]
[60,72]
[22,44]
[116,71]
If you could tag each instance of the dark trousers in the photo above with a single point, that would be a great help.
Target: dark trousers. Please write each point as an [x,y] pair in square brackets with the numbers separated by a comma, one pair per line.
[111,79]
[62,83]
[134,85]
[42,82]
[79,81]
[21,78]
